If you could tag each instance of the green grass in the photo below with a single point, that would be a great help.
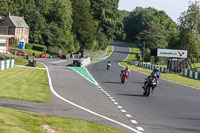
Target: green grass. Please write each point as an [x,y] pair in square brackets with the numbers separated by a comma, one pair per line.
[18,60]
[15,121]
[97,52]
[195,67]
[30,52]
[179,78]
[24,84]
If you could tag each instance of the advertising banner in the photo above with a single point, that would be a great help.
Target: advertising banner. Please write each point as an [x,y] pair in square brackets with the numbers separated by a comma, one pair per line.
[172,53]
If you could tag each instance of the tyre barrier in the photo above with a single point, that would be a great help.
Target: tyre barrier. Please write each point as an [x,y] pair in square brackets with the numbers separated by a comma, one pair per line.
[5,64]
[191,74]
[152,67]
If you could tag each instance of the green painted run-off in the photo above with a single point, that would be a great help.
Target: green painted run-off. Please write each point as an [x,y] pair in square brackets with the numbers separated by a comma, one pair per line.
[84,73]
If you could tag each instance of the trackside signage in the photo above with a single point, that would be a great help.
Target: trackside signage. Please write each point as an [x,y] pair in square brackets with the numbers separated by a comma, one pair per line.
[172,53]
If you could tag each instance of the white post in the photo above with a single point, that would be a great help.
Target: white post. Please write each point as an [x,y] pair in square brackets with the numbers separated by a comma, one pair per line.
[185,73]
[196,75]
[2,65]
[13,63]
[162,69]
[191,74]
[8,64]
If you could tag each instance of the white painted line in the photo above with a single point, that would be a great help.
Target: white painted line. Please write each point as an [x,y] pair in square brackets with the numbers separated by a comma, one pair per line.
[140,128]
[56,62]
[31,67]
[102,89]
[134,121]
[91,76]
[181,84]
[119,107]
[113,100]
[111,97]
[115,103]
[123,111]
[128,53]
[85,109]
[108,95]
[128,115]
[99,86]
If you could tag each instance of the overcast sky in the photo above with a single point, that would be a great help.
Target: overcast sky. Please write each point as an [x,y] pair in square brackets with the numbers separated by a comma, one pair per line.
[172,7]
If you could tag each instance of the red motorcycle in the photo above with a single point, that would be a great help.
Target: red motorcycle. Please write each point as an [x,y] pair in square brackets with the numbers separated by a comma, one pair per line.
[124,76]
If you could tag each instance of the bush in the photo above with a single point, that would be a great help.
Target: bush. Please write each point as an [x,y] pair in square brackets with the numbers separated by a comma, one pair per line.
[36,47]
[55,50]
[29,46]
[39,47]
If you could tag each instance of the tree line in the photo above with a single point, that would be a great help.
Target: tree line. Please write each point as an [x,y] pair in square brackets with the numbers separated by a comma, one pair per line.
[155,29]
[70,25]
[74,25]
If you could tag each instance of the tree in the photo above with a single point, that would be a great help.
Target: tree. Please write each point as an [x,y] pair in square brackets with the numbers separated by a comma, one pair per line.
[189,24]
[143,20]
[106,15]
[84,26]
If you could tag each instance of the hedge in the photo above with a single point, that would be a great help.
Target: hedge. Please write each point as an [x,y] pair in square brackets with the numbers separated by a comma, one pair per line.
[29,46]
[36,47]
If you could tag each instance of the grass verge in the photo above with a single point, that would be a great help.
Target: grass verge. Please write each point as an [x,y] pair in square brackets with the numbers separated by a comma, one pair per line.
[21,61]
[15,121]
[179,78]
[24,84]
[97,52]
[30,52]
[110,49]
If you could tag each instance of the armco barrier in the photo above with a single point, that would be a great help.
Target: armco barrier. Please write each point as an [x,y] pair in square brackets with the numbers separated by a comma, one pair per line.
[191,74]
[5,64]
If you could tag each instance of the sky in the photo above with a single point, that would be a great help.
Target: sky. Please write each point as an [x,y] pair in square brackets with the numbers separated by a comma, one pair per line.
[173,8]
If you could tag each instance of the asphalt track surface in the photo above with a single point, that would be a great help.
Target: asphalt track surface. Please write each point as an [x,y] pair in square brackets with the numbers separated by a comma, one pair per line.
[69,85]
[172,108]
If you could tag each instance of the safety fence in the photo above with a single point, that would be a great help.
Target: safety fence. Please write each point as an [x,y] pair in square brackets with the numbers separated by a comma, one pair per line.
[5,64]
[191,74]
[152,67]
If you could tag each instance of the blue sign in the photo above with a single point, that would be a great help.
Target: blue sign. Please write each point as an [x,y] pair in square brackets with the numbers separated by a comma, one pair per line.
[21,45]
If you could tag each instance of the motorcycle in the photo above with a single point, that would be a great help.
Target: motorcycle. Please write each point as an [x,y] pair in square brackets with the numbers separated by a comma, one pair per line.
[150,85]
[124,76]
[108,66]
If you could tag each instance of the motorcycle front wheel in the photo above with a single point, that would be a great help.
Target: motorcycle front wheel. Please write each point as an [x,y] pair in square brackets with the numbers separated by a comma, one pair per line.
[148,91]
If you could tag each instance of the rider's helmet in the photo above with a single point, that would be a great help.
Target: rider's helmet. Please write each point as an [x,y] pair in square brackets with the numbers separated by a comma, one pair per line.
[157,69]
[127,67]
